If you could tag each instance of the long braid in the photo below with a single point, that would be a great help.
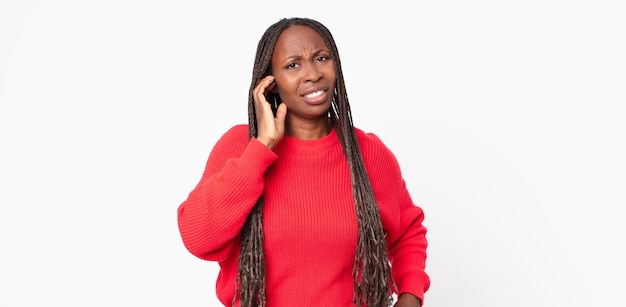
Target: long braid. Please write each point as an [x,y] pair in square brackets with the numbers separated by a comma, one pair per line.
[373,283]
[250,283]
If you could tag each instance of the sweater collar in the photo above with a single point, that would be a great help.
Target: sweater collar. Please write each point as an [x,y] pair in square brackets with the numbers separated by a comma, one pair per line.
[291,144]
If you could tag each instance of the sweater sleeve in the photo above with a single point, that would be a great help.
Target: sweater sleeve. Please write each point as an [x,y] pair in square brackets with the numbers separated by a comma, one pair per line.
[211,217]
[402,219]
[407,245]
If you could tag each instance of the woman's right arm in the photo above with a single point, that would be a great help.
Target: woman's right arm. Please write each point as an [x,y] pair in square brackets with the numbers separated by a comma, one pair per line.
[211,217]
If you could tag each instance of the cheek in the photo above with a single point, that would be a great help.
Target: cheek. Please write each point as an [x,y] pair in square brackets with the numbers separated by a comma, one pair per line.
[286,87]
[331,72]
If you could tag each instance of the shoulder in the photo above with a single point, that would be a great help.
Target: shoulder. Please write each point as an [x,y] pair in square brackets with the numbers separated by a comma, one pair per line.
[233,140]
[371,144]
[380,162]
[378,158]
[237,133]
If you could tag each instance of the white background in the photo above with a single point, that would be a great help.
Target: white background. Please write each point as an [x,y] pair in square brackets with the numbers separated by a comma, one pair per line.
[507,118]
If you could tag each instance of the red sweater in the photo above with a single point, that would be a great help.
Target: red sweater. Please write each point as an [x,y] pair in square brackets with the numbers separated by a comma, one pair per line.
[309,216]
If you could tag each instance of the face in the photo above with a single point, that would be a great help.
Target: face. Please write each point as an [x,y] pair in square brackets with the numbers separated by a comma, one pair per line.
[304,74]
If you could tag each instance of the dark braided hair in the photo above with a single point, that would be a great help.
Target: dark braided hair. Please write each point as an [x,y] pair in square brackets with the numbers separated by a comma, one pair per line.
[373,283]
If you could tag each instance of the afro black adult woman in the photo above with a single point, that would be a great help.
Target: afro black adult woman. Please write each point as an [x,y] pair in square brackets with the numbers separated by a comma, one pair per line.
[299,207]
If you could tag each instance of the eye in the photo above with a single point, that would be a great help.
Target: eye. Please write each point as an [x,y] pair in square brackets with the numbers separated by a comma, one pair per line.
[292,65]
[322,58]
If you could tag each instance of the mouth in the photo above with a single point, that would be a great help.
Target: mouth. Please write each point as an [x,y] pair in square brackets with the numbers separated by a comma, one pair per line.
[314,94]
[316,97]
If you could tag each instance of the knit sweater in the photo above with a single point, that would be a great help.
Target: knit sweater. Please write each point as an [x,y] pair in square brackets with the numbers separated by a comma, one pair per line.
[309,217]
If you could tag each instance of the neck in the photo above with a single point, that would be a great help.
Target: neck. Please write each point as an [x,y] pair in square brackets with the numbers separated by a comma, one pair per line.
[310,130]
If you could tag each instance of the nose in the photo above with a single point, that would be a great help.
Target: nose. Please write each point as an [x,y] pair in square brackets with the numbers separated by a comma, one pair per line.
[312,73]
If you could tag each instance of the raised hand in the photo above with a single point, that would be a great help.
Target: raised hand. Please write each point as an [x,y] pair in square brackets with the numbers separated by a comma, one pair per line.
[270,128]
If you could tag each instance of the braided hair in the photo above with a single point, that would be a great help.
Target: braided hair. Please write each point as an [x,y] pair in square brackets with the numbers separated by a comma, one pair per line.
[373,283]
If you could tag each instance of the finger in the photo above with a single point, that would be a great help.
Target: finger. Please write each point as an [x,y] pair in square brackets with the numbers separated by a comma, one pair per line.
[260,91]
[265,85]
[279,121]
[281,113]
[271,86]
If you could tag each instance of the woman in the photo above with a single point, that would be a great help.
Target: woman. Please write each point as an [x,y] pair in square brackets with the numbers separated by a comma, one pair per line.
[299,207]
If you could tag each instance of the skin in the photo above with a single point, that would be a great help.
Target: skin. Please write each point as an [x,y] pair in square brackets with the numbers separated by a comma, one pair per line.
[408,300]
[301,65]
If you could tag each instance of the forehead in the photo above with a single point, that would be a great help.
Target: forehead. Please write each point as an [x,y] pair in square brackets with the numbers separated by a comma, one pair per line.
[296,39]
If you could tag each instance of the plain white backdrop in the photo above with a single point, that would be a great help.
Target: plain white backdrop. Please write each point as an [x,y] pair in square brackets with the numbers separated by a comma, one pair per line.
[507,118]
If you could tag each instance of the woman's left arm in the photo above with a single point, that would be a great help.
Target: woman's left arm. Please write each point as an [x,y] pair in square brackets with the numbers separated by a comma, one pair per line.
[406,239]
[402,220]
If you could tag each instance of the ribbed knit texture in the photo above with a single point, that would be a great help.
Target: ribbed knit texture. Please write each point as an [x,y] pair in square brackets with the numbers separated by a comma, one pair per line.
[309,216]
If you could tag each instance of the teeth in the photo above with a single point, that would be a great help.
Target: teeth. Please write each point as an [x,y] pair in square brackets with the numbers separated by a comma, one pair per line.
[313,95]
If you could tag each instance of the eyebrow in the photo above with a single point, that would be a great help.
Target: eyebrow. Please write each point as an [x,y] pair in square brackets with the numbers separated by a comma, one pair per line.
[297,57]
